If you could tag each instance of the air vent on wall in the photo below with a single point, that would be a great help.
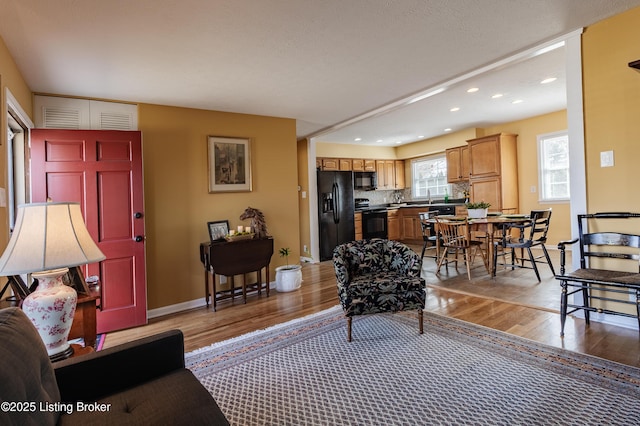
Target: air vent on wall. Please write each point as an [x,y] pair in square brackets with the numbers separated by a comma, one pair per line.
[635,64]
[60,118]
[115,121]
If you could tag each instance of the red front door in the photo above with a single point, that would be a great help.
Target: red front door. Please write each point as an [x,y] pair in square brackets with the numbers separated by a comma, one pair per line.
[102,170]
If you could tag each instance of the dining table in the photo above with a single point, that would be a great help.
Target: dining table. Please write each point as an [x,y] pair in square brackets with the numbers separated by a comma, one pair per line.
[489,225]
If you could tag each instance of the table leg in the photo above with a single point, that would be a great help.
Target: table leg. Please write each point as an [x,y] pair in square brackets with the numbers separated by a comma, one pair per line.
[213,292]
[206,286]
[267,275]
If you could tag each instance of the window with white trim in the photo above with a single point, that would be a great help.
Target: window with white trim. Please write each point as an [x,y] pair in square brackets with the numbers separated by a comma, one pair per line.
[429,175]
[553,167]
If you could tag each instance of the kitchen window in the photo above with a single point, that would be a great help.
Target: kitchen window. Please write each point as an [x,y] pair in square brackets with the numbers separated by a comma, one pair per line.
[429,175]
[553,167]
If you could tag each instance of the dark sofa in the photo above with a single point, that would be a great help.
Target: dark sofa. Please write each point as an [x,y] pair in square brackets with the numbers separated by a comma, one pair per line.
[143,382]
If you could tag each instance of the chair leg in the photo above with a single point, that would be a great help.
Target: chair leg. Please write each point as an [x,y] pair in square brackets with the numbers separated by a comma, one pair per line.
[495,260]
[442,256]
[546,255]
[563,306]
[533,263]
[349,321]
[421,320]
[465,255]
[424,248]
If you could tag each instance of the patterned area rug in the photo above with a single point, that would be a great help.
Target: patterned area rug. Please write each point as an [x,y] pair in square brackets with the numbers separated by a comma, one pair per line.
[304,372]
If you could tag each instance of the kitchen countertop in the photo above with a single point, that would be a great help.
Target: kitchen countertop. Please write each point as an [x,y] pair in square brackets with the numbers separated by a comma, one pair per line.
[406,205]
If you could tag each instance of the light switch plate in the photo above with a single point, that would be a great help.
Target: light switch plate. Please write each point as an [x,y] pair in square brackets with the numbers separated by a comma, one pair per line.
[606,159]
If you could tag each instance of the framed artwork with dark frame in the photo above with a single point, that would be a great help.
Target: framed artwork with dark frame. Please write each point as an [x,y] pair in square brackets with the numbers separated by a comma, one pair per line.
[218,229]
[229,164]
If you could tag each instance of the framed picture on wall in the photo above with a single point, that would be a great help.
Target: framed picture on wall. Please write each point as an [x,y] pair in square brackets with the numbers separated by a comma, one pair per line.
[229,164]
[218,229]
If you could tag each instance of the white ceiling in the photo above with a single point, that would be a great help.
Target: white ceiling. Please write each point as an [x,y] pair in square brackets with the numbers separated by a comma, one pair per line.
[323,63]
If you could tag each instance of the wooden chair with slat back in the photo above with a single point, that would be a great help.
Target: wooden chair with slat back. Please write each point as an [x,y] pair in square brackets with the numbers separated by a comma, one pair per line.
[456,236]
[524,237]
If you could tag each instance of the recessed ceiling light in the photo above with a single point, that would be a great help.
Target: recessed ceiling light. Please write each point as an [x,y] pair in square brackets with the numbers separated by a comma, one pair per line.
[496,96]
[420,136]
[472,90]
[448,129]
[548,80]
[398,141]
[454,109]
[517,101]
[379,140]
[357,139]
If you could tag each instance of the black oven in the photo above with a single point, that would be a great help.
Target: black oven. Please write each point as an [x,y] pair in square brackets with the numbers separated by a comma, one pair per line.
[374,224]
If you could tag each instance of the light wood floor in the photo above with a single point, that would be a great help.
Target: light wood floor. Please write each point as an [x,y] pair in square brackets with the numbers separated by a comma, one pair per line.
[513,302]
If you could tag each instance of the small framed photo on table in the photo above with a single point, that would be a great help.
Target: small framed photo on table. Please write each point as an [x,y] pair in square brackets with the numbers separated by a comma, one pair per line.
[218,229]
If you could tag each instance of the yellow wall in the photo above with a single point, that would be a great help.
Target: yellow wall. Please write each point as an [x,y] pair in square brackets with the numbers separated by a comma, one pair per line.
[527,131]
[436,145]
[612,112]
[326,149]
[178,205]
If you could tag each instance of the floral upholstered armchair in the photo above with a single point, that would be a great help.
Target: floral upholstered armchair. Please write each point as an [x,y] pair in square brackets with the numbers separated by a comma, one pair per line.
[376,276]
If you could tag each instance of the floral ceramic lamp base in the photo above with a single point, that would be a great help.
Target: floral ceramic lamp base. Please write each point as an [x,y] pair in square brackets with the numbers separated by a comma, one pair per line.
[51,308]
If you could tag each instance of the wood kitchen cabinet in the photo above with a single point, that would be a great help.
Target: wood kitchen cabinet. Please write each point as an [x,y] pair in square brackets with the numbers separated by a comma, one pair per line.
[369,165]
[390,174]
[457,164]
[393,224]
[399,174]
[410,224]
[386,174]
[330,164]
[345,164]
[493,171]
[357,221]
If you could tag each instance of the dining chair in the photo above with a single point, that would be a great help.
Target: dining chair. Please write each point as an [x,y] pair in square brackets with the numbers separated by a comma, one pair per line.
[456,236]
[429,236]
[524,236]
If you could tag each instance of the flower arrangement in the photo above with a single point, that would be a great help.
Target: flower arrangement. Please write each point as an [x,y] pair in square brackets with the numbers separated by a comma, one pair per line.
[479,205]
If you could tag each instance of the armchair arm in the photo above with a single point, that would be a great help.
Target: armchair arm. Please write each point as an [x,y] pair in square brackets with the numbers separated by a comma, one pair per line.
[98,374]
[563,256]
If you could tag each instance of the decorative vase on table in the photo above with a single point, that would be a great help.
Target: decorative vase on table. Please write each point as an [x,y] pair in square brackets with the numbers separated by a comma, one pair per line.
[51,308]
[477,213]
[288,278]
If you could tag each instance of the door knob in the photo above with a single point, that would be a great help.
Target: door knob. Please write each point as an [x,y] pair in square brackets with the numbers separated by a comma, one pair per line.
[139,238]
[137,215]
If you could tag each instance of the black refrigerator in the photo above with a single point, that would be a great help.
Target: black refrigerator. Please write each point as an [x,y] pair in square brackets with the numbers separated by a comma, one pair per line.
[335,211]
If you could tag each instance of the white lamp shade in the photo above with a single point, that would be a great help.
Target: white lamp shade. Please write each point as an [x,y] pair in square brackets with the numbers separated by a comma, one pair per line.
[48,236]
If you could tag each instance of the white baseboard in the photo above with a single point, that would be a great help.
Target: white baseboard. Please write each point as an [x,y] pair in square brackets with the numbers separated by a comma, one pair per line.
[185,306]
[308,260]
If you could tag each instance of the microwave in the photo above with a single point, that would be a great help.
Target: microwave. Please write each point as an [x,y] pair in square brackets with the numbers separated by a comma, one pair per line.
[365,181]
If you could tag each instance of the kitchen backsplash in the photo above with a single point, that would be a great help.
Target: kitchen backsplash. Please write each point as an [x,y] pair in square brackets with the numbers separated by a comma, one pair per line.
[385,197]
[402,195]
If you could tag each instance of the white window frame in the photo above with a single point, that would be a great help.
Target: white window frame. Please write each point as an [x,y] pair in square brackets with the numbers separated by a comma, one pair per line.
[543,169]
[439,191]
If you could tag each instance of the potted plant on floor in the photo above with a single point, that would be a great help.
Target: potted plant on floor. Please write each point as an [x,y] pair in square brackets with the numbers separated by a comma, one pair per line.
[477,210]
[288,277]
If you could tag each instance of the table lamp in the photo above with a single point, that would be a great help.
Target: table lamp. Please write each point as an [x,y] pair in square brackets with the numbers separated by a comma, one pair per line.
[48,239]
